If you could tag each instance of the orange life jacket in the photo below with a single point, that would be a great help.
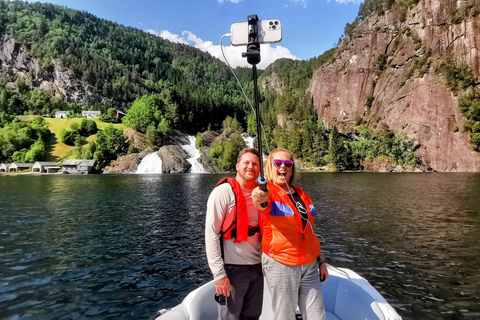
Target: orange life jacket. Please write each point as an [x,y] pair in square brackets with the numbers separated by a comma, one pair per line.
[235,223]
[284,238]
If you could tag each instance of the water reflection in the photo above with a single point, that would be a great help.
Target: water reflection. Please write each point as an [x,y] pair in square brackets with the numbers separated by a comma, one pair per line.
[124,246]
[414,236]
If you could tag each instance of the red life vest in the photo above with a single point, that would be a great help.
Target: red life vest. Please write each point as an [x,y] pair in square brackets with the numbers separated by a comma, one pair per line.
[235,223]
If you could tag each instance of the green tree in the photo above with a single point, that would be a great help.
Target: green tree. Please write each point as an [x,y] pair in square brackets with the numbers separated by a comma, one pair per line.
[231,125]
[145,111]
[338,152]
[36,152]
[224,154]
[110,144]
[88,127]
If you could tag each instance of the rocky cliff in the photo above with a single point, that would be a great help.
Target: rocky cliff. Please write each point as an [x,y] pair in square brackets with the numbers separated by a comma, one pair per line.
[52,78]
[389,70]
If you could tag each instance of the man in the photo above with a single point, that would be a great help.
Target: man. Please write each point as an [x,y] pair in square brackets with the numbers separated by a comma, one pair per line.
[233,241]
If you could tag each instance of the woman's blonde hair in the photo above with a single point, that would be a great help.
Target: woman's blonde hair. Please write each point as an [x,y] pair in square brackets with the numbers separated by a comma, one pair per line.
[269,165]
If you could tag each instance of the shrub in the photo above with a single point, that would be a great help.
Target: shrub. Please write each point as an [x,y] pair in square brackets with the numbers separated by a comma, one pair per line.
[476,141]
[199,142]
[88,127]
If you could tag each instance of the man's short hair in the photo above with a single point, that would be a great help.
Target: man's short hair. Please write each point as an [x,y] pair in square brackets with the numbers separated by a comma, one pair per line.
[248,150]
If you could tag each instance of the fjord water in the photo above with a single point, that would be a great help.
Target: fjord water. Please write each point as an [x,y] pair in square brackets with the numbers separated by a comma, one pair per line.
[122,247]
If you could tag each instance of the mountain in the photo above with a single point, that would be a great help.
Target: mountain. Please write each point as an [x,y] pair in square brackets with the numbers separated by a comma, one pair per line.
[412,66]
[74,61]
[400,88]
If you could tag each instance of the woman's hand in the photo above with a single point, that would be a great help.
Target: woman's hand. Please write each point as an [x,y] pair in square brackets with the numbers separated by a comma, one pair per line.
[323,272]
[259,197]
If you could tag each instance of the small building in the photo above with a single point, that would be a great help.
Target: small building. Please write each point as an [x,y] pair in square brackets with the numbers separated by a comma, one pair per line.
[120,115]
[61,114]
[17,166]
[91,114]
[45,167]
[81,166]
[4,167]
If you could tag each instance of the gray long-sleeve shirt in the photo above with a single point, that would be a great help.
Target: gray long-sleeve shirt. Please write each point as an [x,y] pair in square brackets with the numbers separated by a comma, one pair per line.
[220,202]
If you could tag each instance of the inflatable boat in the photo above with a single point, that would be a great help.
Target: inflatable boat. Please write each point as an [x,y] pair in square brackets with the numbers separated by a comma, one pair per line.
[346,295]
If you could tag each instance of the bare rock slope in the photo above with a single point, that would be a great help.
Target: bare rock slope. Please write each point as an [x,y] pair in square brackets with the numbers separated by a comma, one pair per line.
[387,70]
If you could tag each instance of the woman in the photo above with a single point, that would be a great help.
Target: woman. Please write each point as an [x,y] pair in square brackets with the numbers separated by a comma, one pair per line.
[291,258]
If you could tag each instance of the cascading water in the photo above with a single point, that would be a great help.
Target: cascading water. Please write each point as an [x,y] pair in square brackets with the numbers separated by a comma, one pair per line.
[150,164]
[248,140]
[194,153]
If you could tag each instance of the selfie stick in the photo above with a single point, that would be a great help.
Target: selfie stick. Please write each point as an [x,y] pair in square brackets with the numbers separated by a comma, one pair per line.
[253,58]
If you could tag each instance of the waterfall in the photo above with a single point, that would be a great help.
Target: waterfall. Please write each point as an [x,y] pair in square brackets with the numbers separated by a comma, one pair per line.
[248,140]
[194,153]
[150,164]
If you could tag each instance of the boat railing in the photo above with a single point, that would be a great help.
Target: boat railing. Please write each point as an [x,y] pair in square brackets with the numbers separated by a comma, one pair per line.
[341,271]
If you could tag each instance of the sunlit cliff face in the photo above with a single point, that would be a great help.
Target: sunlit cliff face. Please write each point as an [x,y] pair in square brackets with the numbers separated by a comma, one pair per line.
[420,105]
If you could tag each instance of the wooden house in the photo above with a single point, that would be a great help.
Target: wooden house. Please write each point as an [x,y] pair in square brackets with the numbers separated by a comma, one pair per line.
[45,167]
[78,166]
[17,166]
[4,167]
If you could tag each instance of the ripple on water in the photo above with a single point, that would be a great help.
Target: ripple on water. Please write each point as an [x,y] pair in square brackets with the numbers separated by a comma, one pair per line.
[126,246]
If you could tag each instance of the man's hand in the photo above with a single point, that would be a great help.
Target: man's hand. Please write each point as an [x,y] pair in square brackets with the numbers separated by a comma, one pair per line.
[223,286]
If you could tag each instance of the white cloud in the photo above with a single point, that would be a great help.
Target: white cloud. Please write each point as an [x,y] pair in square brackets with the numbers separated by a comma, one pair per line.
[302,3]
[349,1]
[233,54]
[232,1]
[165,34]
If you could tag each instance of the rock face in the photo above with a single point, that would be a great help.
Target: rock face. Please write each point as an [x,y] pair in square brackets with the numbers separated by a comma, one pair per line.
[376,62]
[124,164]
[128,163]
[56,80]
[174,159]
[137,140]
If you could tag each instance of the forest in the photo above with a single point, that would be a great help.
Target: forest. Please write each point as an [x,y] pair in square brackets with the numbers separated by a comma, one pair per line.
[163,86]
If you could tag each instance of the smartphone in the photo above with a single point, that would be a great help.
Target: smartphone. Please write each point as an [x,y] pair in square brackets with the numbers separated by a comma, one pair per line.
[269,31]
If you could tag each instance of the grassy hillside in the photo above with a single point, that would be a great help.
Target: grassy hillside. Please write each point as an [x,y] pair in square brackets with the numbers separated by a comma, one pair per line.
[56,148]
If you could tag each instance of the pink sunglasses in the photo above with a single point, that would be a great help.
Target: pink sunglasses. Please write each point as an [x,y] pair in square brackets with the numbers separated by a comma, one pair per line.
[278,163]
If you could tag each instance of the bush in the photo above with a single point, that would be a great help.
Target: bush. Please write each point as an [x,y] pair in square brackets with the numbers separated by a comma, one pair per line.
[88,127]
[458,75]
[69,137]
[199,142]
[476,141]
[37,152]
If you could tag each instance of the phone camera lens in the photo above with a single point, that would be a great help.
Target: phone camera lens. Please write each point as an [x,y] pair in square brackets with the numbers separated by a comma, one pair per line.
[270,23]
[274,27]
[276,23]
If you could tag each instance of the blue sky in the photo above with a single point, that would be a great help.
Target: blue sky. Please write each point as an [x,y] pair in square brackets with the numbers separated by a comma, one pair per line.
[310,27]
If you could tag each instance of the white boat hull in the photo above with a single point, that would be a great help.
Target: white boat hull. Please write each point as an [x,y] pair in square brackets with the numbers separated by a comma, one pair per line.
[346,295]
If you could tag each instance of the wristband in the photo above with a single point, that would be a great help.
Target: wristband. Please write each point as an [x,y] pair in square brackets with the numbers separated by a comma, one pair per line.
[321,259]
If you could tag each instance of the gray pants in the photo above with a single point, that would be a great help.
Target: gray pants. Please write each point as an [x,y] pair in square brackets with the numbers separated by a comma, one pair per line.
[246,298]
[291,286]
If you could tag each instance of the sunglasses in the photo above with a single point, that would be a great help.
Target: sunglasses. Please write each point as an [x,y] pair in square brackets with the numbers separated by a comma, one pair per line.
[278,163]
